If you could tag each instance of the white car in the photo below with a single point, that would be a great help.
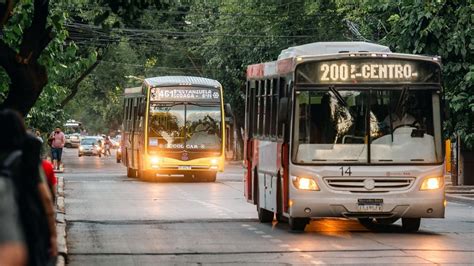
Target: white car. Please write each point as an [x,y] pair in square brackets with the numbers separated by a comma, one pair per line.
[90,146]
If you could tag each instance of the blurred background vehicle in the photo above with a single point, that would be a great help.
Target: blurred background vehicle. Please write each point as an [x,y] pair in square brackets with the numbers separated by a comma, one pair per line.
[90,146]
[73,140]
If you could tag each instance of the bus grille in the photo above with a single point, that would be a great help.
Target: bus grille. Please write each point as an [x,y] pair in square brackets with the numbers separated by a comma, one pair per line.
[369,184]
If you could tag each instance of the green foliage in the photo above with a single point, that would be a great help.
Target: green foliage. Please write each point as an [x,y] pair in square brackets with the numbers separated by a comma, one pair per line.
[443,28]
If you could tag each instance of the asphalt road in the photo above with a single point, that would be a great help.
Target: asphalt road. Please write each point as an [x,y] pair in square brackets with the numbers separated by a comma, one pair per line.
[115,220]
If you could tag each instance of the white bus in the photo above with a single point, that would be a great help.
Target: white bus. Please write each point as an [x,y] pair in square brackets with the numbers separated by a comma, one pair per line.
[345,129]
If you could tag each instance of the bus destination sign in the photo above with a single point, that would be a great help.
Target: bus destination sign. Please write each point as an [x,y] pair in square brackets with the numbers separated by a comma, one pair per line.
[368,71]
[184,94]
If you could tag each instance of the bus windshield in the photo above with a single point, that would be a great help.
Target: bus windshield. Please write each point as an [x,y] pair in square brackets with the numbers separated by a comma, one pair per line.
[361,125]
[185,126]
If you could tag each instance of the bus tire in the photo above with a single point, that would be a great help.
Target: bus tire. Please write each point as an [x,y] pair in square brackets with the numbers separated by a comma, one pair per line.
[411,224]
[131,172]
[264,216]
[211,177]
[297,224]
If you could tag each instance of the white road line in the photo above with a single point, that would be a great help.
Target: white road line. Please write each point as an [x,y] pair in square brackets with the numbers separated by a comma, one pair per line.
[259,232]
[267,236]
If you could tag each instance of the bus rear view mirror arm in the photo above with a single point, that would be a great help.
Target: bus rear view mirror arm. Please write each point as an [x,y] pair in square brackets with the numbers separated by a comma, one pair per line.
[228,110]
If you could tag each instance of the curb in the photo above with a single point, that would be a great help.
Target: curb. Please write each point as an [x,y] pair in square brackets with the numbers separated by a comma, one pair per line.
[61,224]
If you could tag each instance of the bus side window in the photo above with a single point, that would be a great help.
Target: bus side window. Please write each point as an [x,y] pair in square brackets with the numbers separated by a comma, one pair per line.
[273,126]
[281,94]
[254,100]
[261,110]
[268,106]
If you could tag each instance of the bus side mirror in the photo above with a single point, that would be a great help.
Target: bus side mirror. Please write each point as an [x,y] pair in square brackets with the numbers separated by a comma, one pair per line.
[228,110]
[283,111]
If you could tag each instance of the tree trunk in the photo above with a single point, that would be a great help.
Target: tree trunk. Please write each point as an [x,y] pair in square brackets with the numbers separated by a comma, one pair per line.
[27,76]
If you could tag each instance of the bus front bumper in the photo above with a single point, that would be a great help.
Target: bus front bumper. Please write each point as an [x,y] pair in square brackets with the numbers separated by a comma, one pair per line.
[422,204]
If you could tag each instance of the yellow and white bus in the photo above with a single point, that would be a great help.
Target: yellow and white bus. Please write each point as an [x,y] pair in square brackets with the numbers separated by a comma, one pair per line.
[174,126]
[345,129]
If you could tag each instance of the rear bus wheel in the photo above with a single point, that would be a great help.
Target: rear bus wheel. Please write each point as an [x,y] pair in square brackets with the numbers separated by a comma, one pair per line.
[264,216]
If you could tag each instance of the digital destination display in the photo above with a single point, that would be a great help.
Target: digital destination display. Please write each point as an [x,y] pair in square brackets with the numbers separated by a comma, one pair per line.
[368,71]
[185,94]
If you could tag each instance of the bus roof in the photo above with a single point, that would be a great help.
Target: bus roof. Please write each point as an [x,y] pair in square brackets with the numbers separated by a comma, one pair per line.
[321,48]
[181,80]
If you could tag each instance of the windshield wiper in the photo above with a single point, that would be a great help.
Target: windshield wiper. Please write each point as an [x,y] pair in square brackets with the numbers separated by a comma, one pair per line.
[338,96]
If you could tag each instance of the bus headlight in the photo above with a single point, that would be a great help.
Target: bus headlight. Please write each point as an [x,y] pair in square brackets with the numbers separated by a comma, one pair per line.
[305,183]
[154,160]
[214,161]
[432,183]
[81,148]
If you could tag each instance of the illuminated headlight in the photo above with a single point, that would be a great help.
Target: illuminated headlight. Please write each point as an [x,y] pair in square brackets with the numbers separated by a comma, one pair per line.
[432,183]
[305,183]
[81,148]
[154,160]
[214,161]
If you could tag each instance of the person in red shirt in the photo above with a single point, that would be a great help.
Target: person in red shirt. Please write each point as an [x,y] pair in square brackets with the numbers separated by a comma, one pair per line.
[50,176]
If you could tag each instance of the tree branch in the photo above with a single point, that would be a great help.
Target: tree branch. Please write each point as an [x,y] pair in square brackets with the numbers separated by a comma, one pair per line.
[27,76]
[74,88]
[6,7]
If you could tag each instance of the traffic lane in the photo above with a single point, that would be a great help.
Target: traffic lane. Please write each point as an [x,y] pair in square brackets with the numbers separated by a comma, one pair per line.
[119,198]
[332,241]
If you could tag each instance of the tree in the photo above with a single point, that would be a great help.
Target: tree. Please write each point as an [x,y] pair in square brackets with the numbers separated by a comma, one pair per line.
[27,76]
[441,28]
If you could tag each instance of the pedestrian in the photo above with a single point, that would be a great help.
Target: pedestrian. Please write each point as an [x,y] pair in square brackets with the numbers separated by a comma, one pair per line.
[57,140]
[12,245]
[20,154]
[50,177]
[38,135]
[108,144]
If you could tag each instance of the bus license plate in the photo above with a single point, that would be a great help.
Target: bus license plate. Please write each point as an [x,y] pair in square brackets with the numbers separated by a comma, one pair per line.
[370,205]
[184,167]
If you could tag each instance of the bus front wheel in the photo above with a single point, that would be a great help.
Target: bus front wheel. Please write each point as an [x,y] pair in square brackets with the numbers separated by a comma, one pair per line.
[411,224]
[298,224]
[131,172]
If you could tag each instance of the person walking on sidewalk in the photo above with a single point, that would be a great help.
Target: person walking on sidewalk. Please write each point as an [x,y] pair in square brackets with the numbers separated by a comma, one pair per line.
[57,140]
[108,145]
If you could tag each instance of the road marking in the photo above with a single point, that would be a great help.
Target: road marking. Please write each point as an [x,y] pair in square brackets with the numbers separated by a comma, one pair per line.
[259,232]
[267,236]
[295,249]
[251,228]
[244,225]
[317,262]
[284,245]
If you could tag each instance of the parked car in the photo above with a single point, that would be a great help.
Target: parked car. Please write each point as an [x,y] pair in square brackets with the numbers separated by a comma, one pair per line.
[72,140]
[90,146]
